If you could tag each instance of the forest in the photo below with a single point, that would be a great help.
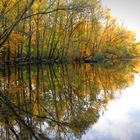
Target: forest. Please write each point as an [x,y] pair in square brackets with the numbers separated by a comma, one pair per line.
[53,31]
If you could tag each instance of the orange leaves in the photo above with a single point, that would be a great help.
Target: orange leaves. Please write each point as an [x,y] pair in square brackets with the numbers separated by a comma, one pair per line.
[16,37]
[14,40]
[33,40]
[11,46]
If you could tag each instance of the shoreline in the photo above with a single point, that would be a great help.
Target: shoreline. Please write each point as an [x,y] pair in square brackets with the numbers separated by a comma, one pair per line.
[75,61]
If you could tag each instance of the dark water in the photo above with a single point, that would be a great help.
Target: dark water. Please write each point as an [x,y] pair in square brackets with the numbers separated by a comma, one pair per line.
[87,102]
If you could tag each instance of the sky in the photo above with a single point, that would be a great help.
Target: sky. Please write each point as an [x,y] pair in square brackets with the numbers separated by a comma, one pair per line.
[127,12]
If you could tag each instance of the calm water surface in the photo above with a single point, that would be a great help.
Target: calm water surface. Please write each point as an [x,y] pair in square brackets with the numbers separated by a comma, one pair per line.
[70,102]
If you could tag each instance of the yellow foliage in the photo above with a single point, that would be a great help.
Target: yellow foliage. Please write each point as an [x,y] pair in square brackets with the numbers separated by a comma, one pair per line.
[35,6]
[16,38]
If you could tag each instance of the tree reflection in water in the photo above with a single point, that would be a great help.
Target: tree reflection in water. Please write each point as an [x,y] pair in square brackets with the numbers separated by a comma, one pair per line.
[60,101]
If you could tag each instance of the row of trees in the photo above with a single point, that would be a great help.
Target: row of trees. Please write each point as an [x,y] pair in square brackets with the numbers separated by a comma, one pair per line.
[61,30]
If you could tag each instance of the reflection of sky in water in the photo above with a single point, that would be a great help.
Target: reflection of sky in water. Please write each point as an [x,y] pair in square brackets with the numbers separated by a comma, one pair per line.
[121,121]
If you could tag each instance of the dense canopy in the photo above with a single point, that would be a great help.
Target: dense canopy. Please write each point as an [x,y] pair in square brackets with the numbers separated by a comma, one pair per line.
[61,30]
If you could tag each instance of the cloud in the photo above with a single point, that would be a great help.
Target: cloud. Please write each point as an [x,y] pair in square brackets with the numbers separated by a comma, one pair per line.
[121,121]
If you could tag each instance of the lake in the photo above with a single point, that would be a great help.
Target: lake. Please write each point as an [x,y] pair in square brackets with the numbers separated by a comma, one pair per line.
[70,102]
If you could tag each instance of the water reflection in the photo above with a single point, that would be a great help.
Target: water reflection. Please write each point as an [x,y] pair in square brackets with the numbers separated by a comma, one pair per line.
[58,102]
[121,120]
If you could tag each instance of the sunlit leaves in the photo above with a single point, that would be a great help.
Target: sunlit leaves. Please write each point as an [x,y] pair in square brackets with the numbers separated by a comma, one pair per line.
[61,30]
